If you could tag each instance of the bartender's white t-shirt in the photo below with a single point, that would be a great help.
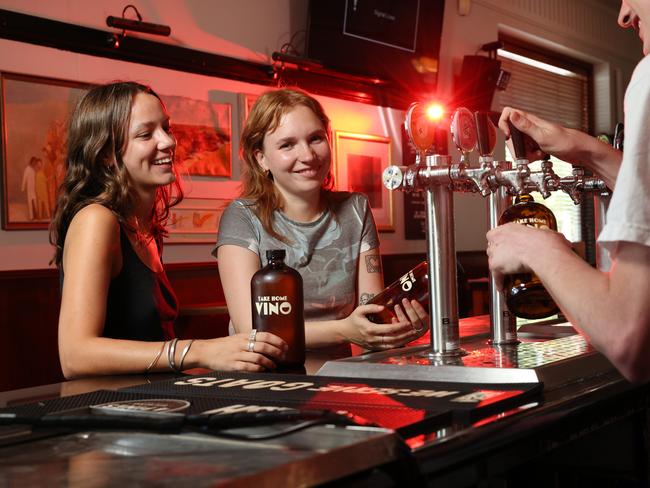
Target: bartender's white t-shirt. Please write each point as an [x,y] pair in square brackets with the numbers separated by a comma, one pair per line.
[628,216]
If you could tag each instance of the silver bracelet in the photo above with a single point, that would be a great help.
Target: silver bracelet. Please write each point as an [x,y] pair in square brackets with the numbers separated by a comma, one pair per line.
[186,349]
[171,352]
[155,359]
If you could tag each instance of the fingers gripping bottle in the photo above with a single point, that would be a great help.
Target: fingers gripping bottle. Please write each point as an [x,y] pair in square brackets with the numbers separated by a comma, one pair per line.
[525,295]
[277,305]
[414,285]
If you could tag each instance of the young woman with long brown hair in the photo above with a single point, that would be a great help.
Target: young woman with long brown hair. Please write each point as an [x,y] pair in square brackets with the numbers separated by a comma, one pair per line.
[117,306]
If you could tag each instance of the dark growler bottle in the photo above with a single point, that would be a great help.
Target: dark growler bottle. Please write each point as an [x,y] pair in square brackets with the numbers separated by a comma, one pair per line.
[414,285]
[277,305]
[525,295]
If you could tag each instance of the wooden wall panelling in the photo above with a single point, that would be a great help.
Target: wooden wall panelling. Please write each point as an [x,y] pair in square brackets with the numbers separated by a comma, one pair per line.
[29,309]
[203,313]
[30,300]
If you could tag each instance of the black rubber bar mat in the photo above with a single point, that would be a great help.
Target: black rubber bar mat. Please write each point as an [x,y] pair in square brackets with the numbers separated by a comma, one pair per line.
[396,404]
[406,406]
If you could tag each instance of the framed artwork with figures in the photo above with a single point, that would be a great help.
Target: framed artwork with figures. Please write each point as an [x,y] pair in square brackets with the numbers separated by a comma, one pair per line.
[35,113]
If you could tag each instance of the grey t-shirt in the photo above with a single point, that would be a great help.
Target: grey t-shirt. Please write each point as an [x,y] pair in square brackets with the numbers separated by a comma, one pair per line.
[324,252]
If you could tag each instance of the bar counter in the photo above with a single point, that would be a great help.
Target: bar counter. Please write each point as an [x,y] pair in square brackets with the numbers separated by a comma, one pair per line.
[590,427]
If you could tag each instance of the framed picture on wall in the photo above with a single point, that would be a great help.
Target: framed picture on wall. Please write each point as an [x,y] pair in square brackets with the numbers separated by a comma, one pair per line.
[359,162]
[246,101]
[35,113]
[195,221]
[203,131]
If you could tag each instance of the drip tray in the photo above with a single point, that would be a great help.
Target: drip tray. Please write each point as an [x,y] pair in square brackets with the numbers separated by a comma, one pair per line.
[553,362]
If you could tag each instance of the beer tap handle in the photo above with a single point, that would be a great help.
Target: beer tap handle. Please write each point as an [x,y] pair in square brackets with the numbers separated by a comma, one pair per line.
[486,134]
[518,144]
[618,136]
[420,129]
[463,132]
[484,137]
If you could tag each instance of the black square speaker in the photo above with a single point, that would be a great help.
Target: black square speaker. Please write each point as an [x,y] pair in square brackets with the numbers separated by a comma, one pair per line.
[477,82]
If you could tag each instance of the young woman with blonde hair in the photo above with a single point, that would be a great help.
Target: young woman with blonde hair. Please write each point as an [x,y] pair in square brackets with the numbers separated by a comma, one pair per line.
[329,236]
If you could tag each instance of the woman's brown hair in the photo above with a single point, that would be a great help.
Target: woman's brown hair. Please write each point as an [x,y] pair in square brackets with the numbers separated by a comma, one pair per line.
[265,117]
[95,172]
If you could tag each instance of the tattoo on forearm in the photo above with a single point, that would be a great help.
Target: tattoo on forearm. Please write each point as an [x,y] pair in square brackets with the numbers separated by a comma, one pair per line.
[365,298]
[373,263]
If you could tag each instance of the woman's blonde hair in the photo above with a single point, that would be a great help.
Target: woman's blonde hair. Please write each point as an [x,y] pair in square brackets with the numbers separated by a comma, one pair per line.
[265,117]
[95,172]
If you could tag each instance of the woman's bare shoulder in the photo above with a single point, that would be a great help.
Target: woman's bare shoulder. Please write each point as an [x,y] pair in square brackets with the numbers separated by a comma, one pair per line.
[95,220]
[96,213]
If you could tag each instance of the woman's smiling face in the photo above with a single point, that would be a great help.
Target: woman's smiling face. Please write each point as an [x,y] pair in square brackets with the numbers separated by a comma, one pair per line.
[297,153]
[149,152]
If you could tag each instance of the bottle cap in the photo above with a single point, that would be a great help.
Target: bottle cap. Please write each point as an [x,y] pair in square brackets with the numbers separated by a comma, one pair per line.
[524,197]
[275,254]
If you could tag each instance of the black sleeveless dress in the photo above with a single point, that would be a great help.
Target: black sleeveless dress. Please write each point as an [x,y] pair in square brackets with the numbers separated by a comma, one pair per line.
[141,303]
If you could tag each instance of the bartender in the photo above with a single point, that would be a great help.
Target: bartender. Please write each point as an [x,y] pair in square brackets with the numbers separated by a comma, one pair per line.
[612,308]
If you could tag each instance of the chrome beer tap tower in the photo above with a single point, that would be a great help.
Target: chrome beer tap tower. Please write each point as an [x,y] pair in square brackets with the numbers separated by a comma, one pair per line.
[438,176]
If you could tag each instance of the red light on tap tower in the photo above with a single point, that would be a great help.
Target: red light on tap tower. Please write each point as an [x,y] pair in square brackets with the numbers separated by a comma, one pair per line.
[427,125]
[435,111]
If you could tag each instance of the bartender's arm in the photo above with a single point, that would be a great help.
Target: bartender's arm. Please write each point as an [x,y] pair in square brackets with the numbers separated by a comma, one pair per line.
[570,145]
[612,309]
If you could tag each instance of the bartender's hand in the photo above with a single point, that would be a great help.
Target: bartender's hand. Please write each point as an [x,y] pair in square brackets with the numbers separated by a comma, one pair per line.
[356,328]
[232,353]
[570,145]
[512,246]
[550,138]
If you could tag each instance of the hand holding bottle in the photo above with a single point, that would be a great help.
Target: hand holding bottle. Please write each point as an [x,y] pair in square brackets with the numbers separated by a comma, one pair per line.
[235,352]
[413,312]
[414,285]
[512,247]
[407,326]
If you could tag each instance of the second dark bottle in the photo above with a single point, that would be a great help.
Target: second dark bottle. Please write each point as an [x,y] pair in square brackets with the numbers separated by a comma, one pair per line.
[277,306]
[525,295]
[414,285]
